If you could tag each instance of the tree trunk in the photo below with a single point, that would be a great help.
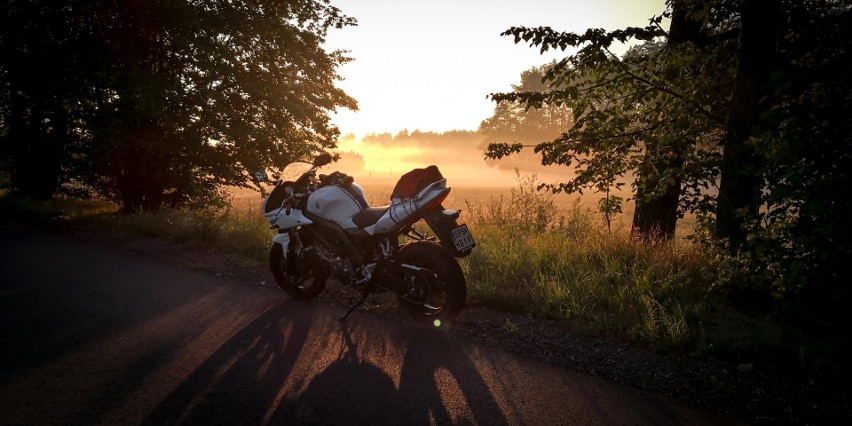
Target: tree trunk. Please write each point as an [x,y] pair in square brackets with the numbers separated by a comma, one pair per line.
[36,151]
[140,172]
[655,217]
[739,191]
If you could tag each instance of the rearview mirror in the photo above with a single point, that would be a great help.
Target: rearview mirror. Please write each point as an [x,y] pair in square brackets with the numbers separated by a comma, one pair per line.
[322,160]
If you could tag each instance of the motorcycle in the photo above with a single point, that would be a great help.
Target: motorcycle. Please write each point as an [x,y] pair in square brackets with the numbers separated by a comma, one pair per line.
[326,228]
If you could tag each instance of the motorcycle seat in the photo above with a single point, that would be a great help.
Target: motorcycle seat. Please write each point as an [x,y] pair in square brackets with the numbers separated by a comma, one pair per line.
[369,216]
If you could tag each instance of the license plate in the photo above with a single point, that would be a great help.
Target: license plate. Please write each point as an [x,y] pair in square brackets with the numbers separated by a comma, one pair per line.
[462,239]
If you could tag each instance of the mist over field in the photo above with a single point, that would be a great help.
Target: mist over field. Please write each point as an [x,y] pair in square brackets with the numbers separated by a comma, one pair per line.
[377,161]
[382,158]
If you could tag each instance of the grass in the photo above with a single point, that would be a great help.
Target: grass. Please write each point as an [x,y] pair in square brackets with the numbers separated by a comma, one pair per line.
[23,209]
[242,232]
[531,257]
[564,265]
[228,231]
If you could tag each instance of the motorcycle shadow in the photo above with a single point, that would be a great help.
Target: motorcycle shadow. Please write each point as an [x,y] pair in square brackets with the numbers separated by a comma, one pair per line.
[285,368]
[434,383]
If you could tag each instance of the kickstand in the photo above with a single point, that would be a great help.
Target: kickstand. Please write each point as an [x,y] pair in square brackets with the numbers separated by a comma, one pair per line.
[364,293]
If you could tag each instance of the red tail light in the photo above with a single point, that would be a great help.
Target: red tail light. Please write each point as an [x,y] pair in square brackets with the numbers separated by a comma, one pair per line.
[437,202]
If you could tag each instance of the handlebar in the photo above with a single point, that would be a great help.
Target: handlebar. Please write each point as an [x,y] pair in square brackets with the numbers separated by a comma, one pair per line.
[306,184]
[337,178]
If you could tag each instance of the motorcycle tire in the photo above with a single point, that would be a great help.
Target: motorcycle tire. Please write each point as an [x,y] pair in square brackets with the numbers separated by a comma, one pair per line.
[435,301]
[302,283]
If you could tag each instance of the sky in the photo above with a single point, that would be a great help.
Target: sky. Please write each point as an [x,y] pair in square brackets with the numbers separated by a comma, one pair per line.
[430,65]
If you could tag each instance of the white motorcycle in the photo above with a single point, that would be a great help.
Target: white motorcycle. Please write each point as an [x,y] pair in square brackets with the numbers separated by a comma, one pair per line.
[326,229]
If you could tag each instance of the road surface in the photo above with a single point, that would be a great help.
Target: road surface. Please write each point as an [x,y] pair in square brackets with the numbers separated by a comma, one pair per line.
[97,334]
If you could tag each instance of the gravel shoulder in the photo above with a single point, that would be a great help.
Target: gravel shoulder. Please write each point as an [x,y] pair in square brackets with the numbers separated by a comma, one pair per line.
[736,390]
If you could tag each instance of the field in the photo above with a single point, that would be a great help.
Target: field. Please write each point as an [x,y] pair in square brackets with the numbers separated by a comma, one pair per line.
[465,197]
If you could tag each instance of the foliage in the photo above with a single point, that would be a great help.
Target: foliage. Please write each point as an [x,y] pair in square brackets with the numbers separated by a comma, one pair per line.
[524,125]
[526,210]
[670,114]
[428,142]
[665,296]
[629,114]
[42,78]
[610,206]
[444,149]
[171,100]
[16,208]
[803,240]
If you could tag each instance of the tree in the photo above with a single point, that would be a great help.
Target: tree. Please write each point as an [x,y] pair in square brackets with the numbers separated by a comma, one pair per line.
[209,91]
[800,241]
[185,96]
[750,95]
[660,175]
[42,77]
[637,118]
[739,192]
[513,122]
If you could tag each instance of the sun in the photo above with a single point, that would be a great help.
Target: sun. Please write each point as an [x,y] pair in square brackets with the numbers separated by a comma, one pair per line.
[381,161]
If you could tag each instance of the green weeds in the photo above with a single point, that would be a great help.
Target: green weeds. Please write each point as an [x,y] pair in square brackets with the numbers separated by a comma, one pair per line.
[29,210]
[228,231]
[242,232]
[567,265]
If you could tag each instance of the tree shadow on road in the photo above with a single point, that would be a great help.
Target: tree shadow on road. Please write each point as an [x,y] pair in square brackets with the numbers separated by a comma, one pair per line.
[241,380]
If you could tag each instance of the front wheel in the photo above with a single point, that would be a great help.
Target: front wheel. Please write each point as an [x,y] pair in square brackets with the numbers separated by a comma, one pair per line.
[437,288]
[295,273]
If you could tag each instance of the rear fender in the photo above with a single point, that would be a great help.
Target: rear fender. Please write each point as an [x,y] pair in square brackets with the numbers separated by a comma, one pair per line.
[442,223]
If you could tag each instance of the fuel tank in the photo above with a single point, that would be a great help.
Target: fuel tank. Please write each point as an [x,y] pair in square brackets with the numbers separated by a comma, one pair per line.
[338,204]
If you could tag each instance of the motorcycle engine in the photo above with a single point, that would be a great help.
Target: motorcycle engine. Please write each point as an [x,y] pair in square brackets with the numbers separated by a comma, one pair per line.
[339,267]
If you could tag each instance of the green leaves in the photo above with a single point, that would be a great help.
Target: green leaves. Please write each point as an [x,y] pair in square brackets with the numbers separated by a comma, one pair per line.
[652,117]
[500,150]
[158,81]
[595,38]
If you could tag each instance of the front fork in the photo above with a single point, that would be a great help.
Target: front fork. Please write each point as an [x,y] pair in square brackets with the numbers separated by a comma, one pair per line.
[283,239]
[295,249]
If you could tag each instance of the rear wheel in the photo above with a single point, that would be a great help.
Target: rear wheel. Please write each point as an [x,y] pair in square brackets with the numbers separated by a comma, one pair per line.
[296,273]
[437,293]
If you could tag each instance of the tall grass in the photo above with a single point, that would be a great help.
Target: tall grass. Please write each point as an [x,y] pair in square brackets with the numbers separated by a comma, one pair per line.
[532,257]
[242,232]
[228,230]
[60,208]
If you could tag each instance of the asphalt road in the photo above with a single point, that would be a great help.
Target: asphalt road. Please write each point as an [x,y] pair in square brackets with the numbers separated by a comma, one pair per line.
[97,334]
